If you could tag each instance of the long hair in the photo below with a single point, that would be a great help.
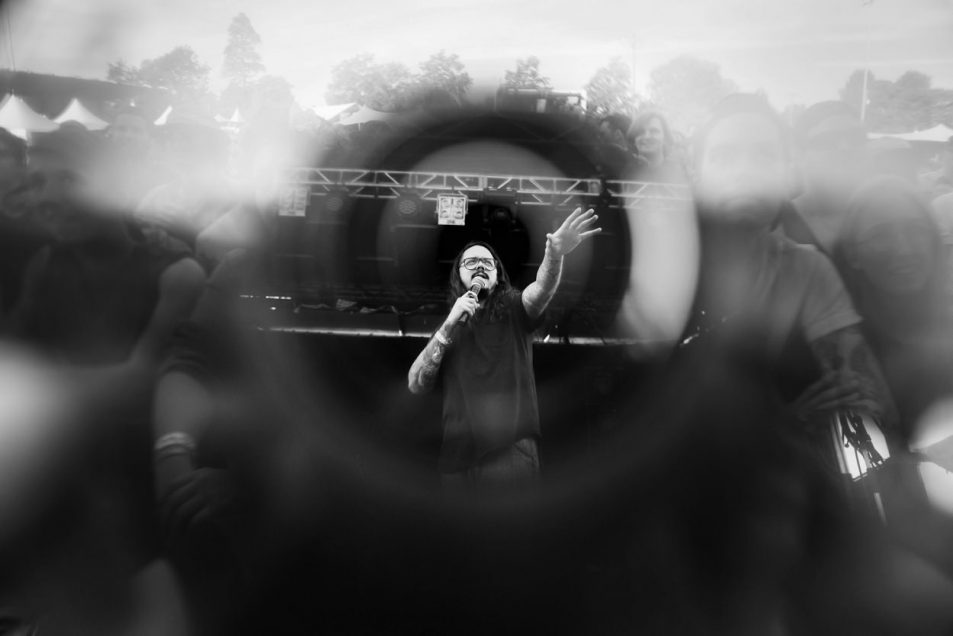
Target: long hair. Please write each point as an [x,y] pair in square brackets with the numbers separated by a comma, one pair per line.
[503,287]
[923,306]
[642,121]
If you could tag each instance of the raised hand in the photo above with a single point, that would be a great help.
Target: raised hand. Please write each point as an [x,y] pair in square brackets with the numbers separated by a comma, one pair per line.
[577,227]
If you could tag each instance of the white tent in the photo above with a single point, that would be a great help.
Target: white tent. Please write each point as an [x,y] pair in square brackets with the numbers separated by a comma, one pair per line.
[164,117]
[21,120]
[331,113]
[939,133]
[365,115]
[75,111]
[236,118]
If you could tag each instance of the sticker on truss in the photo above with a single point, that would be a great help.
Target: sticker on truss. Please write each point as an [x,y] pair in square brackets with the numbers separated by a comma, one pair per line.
[451,209]
[293,201]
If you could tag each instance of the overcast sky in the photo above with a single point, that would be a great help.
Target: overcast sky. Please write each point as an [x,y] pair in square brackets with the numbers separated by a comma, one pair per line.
[800,51]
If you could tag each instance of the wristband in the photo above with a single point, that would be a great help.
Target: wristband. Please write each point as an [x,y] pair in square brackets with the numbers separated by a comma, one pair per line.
[172,442]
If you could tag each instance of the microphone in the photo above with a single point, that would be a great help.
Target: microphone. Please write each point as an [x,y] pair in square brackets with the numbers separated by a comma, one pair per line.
[476,286]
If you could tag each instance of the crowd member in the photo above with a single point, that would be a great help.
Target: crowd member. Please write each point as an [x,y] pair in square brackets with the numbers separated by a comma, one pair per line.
[97,307]
[485,365]
[891,156]
[782,302]
[20,236]
[940,189]
[831,158]
[123,296]
[779,311]
[200,193]
[940,182]
[130,156]
[653,141]
[99,303]
[898,272]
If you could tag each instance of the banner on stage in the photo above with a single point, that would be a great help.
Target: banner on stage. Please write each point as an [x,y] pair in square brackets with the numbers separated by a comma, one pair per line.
[451,209]
[293,201]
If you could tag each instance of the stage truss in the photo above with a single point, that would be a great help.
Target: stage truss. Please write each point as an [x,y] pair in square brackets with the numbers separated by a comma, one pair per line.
[518,190]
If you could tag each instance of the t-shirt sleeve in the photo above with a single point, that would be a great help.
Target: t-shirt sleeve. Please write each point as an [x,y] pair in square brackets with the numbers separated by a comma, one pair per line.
[827,306]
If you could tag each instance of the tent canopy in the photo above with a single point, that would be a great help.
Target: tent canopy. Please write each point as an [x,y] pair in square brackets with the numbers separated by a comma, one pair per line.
[365,115]
[164,117]
[75,111]
[21,120]
[331,113]
[939,133]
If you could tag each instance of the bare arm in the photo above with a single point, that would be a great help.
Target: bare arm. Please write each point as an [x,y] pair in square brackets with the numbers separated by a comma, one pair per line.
[847,360]
[423,372]
[575,229]
[539,293]
[179,287]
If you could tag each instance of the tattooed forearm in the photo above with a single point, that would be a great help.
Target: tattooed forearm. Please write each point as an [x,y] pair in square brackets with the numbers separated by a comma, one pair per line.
[846,354]
[537,295]
[423,372]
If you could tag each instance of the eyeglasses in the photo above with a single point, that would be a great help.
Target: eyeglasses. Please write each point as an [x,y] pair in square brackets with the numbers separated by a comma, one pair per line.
[474,262]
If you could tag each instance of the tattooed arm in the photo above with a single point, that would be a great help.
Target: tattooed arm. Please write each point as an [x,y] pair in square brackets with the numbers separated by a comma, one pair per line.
[852,374]
[574,230]
[423,372]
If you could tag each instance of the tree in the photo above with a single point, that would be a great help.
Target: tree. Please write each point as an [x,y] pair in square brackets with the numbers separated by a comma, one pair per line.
[610,90]
[526,75]
[179,71]
[242,60]
[359,79]
[685,90]
[909,103]
[122,73]
[444,72]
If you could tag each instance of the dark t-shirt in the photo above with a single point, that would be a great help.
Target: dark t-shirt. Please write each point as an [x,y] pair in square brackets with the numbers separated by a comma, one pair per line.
[489,388]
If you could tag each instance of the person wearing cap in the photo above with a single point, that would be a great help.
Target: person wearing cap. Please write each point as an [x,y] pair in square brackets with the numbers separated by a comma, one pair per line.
[482,355]
[830,143]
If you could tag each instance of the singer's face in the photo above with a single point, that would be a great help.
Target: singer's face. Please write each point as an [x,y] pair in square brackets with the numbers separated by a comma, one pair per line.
[480,270]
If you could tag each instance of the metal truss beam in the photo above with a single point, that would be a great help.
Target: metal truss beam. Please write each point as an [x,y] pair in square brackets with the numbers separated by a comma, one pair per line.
[522,190]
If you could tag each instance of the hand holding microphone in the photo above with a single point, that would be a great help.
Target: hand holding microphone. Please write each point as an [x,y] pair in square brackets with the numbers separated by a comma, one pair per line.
[467,304]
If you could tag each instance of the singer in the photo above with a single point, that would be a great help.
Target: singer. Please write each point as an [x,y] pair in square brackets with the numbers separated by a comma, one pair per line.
[482,355]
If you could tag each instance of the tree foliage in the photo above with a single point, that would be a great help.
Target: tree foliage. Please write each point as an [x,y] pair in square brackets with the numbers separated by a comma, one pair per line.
[444,72]
[391,86]
[686,89]
[526,75]
[907,104]
[242,60]
[610,90]
[179,71]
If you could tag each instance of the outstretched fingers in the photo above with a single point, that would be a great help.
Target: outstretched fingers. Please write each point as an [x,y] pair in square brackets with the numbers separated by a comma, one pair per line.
[578,217]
